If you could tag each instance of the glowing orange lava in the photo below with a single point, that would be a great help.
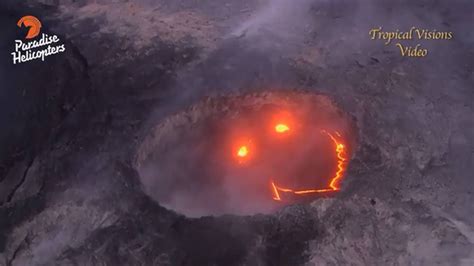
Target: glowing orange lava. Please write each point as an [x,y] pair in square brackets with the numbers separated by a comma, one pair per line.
[243,151]
[281,128]
[333,185]
[276,195]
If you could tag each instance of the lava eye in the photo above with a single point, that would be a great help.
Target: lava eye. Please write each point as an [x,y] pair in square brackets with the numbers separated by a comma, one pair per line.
[281,128]
[243,151]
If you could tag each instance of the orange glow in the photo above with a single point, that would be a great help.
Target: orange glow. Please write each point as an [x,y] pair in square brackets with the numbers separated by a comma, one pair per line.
[243,151]
[281,128]
[276,195]
[340,162]
[333,185]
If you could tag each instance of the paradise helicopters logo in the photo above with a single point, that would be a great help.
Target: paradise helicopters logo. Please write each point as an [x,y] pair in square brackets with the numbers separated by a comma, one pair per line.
[35,48]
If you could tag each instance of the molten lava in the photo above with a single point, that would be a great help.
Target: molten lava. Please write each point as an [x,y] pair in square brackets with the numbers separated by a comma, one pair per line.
[281,128]
[243,151]
[333,185]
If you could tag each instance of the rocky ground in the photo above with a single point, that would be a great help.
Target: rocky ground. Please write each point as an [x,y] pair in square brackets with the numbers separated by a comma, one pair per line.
[69,192]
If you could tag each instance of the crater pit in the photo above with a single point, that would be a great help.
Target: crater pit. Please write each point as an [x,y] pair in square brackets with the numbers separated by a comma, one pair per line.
[247,154]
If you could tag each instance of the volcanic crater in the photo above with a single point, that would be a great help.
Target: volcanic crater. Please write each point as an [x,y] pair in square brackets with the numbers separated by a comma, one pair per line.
[247,154]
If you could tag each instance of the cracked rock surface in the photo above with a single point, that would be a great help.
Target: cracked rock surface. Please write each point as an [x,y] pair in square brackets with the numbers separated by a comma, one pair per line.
[71,126]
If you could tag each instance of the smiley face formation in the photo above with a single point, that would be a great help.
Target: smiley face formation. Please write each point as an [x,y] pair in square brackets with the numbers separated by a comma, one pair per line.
[247,154]
[284,147]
